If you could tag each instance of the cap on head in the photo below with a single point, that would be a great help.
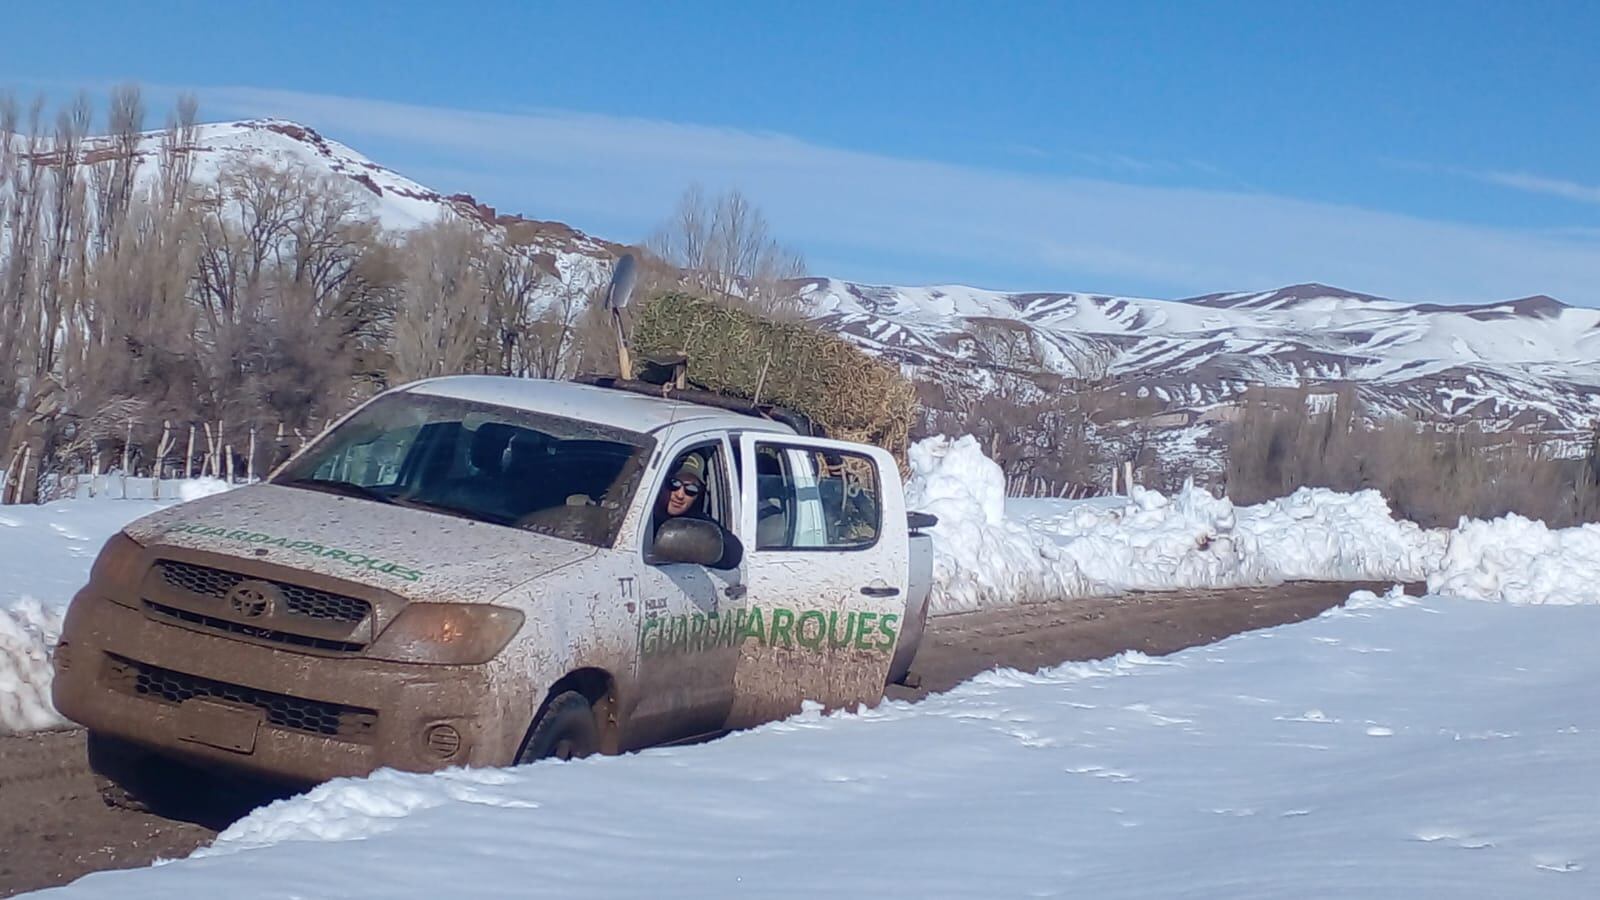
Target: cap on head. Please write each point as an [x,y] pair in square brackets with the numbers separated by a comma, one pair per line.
[692,466]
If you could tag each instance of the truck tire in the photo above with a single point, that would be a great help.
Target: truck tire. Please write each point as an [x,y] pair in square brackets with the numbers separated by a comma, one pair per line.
[565,730]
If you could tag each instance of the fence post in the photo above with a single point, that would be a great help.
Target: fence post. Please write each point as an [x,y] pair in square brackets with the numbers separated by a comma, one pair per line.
[162,449]
[22,476]
[214,449]
[12,476]
[127,451]
[250,457]
[188,460]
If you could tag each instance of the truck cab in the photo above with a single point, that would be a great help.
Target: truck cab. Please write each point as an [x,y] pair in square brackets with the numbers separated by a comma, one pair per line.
[481,571]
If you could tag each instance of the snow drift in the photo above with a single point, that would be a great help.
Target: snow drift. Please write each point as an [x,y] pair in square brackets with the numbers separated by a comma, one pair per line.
[28,631]
[993,552]
[45,555]
[1517,560]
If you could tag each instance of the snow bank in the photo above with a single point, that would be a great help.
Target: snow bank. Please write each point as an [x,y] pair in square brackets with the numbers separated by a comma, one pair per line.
[1387,751]
[991,552]
[45,555]
[28,632]
[1322,535]
[1518,560]
[981,557]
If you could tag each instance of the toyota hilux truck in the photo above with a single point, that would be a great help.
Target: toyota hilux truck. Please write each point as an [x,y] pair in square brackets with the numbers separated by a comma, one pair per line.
[484,571]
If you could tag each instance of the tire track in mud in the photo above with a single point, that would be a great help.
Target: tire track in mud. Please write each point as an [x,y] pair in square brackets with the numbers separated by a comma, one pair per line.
[1033,637]
[27,759]
[54,828]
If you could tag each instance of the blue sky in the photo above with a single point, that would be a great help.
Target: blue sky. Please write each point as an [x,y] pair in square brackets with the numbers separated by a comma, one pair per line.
[1429,151]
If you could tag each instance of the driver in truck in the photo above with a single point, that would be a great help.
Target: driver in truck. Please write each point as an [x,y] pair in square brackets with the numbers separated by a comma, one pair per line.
[681,495]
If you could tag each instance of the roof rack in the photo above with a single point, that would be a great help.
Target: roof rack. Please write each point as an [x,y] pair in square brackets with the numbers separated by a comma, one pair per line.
[801,423]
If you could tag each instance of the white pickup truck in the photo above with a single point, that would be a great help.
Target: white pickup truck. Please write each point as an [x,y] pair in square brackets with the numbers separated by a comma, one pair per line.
[481,571]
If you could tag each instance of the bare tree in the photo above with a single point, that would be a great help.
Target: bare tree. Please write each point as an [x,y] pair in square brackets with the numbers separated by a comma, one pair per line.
[176,161]
[440,322]
[23,252]
[66,253]
[723,247]
[551,339]
[531,313]
[114,173]
[10,301]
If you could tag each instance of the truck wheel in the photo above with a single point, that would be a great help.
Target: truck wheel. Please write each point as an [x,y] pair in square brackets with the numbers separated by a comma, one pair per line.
[127,777]
[566,730]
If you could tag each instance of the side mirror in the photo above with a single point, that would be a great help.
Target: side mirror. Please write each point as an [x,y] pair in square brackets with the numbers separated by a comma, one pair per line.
[697,541]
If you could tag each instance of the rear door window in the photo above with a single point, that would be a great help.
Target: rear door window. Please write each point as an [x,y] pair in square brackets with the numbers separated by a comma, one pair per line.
[815,499]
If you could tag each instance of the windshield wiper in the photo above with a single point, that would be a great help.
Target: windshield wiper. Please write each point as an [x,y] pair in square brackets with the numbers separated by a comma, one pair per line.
[334,486]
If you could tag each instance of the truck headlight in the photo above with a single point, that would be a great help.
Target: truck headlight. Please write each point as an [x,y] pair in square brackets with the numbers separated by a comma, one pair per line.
[118,568]
[460,634]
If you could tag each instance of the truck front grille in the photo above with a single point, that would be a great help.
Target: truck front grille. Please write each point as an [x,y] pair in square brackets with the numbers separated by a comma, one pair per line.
[349,723]
[173,613]
[298,600]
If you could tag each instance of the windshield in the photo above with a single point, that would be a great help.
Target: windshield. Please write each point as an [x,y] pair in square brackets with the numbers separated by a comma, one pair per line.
[562,477]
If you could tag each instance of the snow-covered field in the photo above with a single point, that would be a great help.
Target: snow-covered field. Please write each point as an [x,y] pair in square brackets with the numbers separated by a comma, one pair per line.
[1400,748]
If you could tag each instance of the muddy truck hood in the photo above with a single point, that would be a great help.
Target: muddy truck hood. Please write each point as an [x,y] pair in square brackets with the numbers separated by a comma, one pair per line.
[415,554]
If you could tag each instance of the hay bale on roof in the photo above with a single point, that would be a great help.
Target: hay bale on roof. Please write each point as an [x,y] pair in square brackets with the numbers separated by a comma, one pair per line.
[854,396]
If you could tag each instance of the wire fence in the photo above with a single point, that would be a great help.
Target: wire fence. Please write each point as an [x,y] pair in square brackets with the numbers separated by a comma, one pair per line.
[125,467]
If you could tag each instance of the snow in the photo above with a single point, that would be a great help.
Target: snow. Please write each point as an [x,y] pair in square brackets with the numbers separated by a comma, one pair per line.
[1404,747]
[1520,560]
[990,551]
[45,553]
[28,629]
[395,201]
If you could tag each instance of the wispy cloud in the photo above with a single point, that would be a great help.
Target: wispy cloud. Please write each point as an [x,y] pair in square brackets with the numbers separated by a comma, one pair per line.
[1005,229]
[1125,163]
[1537,184]
[1519,181]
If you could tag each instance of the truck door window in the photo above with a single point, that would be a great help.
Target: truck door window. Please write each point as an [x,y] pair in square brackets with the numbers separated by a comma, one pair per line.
[815,499]
[703,474]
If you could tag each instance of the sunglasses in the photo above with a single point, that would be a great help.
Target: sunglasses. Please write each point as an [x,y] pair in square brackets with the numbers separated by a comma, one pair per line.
[692,488]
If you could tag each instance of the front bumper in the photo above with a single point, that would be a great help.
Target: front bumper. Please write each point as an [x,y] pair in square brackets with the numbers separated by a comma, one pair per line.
[260,710]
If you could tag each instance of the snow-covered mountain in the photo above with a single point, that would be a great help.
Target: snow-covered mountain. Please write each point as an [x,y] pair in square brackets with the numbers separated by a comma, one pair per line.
[1530,363]
[393,200]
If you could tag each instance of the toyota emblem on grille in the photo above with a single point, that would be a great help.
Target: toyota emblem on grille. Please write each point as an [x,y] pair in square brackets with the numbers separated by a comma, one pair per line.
[252,599]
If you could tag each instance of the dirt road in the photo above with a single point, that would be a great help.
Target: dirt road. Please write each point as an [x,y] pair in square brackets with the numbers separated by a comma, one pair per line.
[54,828]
